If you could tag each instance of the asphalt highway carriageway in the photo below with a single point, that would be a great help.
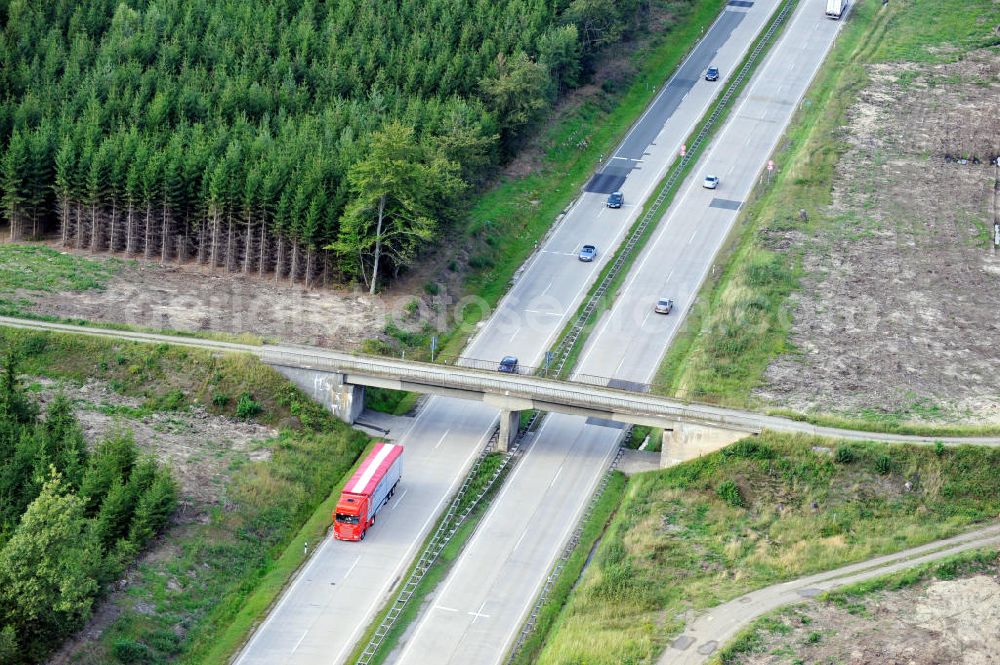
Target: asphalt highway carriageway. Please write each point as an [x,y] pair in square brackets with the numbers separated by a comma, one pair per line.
[633,148]
[477,612]
[326,608]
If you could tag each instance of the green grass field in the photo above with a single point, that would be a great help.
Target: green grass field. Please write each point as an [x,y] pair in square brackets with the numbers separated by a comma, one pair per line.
[763,510]
[33,269]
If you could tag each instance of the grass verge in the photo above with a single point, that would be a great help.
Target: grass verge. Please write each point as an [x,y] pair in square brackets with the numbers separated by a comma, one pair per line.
[724,350]
[590,536]
[761,511]
[889,423]
[180,601]
[752,638]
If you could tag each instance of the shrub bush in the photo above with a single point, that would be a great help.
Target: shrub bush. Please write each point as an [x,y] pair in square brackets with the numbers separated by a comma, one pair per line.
[729,492]
[247,407]
[748,449]
[844,455]
[130,651]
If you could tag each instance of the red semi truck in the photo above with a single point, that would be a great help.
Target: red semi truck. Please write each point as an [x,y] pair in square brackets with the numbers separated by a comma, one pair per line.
[367,491]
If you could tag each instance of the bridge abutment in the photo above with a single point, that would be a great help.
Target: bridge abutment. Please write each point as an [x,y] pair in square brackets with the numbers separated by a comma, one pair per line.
[345,400]
[686,441]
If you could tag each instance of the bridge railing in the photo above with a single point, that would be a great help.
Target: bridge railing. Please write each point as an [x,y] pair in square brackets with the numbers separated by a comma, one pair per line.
[538,389]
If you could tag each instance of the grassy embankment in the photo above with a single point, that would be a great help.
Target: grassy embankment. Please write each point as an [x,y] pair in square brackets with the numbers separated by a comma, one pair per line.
[751,639]
[727,344]
[761,511]
[223,572]
[515,213]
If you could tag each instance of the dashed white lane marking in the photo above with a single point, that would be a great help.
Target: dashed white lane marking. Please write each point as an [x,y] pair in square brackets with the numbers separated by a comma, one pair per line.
[523,534]
[304,633]
[348,573]
[558,471]
[443,437]
[399,500]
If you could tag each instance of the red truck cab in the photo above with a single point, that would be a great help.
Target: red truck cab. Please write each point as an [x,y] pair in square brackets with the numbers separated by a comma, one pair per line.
[368,491]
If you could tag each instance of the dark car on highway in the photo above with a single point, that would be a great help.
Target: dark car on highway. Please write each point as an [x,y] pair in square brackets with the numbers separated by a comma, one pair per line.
[712,74]
[508,365]
[616,199]
[587,253]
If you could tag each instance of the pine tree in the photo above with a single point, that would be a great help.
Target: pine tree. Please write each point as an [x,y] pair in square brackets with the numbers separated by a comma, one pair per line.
[14,183]
[66,164]
[153,509]
[112,460]
[114,515]
[63,440]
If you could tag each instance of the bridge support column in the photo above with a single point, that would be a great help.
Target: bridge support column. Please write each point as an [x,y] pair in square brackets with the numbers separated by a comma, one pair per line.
[510,422]
[686,441]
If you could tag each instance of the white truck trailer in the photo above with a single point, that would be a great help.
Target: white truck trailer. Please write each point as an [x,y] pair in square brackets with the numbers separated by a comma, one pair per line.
[835,8]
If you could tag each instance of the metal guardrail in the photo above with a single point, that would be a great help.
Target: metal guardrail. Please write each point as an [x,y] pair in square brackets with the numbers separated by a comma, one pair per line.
[561,351]
[447,527]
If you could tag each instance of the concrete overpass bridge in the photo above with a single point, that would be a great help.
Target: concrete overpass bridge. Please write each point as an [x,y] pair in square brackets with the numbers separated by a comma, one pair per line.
[338,380]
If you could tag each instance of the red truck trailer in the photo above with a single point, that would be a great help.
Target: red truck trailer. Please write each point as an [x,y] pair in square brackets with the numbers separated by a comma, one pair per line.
[367,491]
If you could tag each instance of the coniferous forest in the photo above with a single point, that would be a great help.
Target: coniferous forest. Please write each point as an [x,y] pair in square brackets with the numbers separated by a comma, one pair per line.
[305,139]
[70,520]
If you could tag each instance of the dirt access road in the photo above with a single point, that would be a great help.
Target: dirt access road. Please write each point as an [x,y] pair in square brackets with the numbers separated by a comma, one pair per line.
[706,634]
[897,313]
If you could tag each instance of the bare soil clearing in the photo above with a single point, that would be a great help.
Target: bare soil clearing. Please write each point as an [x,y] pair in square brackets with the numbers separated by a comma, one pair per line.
[942,621]
[898,308]
[190,298]
[199,447]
